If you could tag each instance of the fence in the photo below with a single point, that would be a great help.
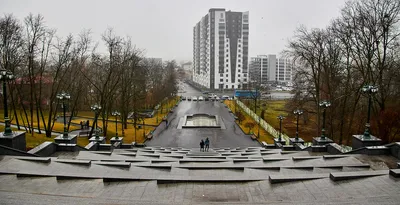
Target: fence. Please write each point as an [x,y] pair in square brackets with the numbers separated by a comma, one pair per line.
[262,122]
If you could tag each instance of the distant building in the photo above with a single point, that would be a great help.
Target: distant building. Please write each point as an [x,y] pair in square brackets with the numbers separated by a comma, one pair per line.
[220,50]
[268,68]
[187,66]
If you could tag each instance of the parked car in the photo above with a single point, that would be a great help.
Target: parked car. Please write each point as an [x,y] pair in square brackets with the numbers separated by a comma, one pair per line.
[224,97]
[194,98]
[189,99]
[201,98]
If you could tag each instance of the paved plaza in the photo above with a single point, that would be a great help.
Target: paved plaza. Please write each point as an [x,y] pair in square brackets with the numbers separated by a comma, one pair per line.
[173,136]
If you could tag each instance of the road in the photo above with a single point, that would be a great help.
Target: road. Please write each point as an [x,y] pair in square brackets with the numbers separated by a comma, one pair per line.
[232,136]
[190,91]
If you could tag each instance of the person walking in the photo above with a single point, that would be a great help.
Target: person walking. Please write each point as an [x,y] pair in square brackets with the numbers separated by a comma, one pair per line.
[87,124]
[207,143]
[202,146]
[81,125]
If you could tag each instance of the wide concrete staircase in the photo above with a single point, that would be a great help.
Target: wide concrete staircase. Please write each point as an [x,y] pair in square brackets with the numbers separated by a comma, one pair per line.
[172,165]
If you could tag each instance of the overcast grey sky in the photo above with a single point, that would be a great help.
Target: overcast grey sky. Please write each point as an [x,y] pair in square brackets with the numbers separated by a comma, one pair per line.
[164,28]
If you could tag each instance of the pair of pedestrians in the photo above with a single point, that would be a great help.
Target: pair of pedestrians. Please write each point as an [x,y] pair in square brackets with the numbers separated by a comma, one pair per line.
[204,145]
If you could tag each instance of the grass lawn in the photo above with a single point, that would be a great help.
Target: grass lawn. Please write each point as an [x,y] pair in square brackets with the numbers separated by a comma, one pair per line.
[264,135]
[274,108]
[58,127]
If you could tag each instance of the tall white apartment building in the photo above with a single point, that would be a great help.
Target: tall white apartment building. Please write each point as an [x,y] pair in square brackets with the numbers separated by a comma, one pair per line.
[269,68]
[220,50]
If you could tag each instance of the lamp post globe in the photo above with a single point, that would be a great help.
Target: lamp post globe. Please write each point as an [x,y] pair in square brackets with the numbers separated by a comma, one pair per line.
[96,109]
[116,114]
[324,105]
[63,96]
[297,113]
[6,76]
[280,117]
[369,90]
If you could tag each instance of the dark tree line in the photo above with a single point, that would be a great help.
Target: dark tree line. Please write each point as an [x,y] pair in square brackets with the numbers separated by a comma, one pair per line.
[45,64]
[360,47]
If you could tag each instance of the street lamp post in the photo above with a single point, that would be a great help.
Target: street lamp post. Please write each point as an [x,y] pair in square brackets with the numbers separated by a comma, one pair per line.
[280,117]
[96,108]
[116,114]
[324,105]
[369,90]
[297,113]
[6,76]
[63,96]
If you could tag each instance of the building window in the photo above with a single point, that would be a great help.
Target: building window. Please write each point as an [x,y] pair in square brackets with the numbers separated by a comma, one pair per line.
[227,40]
[227,81]
[227,45]
[233,86]
[227,60]
[227,65]
[239,80]
[238,75]
[239,66]
[221,75]
[227,50]
[226,86]
[226,75]
[221,80]
[239,50]
[239,70]
[239,45]
[245,79]
[239,60]
[239,40]
[239,55]
[222,15]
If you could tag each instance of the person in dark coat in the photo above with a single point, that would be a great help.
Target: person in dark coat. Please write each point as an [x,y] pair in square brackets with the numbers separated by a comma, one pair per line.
[81,125]
[207,143]
[87,124]
[202,146]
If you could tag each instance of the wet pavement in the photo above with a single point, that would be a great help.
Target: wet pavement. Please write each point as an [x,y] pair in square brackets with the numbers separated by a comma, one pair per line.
[232,136]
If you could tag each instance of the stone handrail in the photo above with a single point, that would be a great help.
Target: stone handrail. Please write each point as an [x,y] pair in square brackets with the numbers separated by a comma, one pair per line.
[262,122]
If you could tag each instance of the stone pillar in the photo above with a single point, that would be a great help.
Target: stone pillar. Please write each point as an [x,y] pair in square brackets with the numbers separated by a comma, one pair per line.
[70,139]
[320,141]
[359,141]
[292,141]
[16,140]
[114,140]
[100,140]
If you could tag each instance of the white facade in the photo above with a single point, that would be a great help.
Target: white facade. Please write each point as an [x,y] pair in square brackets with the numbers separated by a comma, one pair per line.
[220,50]
[269,68]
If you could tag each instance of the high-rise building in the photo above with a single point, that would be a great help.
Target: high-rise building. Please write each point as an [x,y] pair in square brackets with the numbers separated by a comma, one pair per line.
[220,50]
[268,68]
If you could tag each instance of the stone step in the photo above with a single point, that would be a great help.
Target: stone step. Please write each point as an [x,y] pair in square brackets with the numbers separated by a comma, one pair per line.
[210,167]
[150,155]
[174,156]
[156,166]
[245,160]
[395,173]
[155,161]
[250,153]
[338,176]
[114,164]
[132,154]
[203,154]
[208,157]
[100,152]
[289,152]
[148,151]
[297,158]
[334,156]
[204,160]
[74,161]
[279,178]
[270,159]
[35,159]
